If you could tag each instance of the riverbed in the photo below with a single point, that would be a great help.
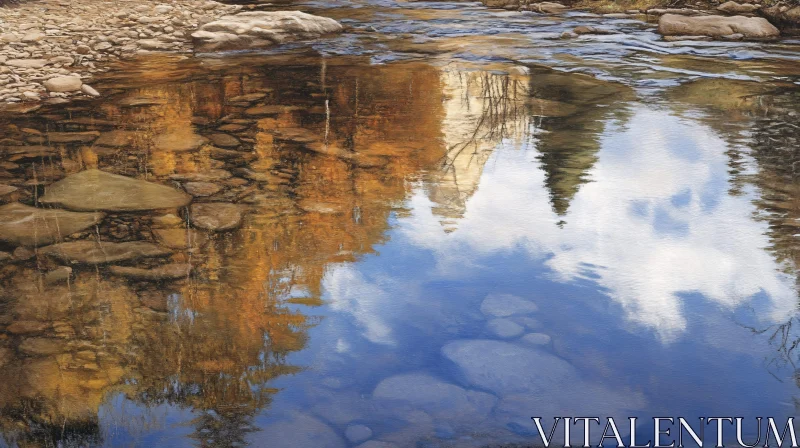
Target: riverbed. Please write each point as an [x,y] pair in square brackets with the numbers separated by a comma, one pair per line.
[437,225]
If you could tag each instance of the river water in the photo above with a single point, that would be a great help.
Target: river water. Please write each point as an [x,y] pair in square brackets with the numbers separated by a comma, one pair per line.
[453,221]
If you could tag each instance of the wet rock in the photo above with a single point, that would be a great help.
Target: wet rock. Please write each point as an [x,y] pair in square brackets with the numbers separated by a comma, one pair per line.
[27,327]
[201,189]
[224,140]
[434,396]
[22,225]
[504,368]
[716,26]
[179,142]
[548,7]
[232,127]
[692,38]
[180,239]
[295,135]
[167,221]
[97,190]
[91,252]
[536,339]
[64,137]
[504,328]
[164,272]
[504,305]
[247,98]
[116,139]
[6,189]
[89,90]
[206,176]
[270,110]
[63,84]
[215,216]
[42,346]
[357,433]
[141,101]
[583,29]
[5,256]
[23,253]
[58,275]
[260,29]
[732,7]
[324,208]
[786,18]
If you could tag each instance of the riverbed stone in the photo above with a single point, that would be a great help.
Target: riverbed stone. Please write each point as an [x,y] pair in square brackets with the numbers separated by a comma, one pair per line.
[58,275]
[63,84]
[357,433]
[179,142]
[536,339]
[27,63]
[259,29]
[269,110]
[224,140]
[6,189]
[503,367]
[170,271]
[732,7]
[98,190]
[716,26]
[180,239]
[93,252]
[27,327]
[215,216]
[504,305]
[63,137]
[116,139]
[504,328]
[42,346]
[201,189]
[23,225]
[296,430]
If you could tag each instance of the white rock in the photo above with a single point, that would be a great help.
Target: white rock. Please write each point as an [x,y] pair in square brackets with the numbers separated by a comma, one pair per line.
[504,305]
[63,84]
[435,396]
[536,339]
[357,433]
[89,90]
[504,328]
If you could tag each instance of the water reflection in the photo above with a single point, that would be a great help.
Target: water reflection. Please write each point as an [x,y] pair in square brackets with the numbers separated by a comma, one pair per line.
[396,253]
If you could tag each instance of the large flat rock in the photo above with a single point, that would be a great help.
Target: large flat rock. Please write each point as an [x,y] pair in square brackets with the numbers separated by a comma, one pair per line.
[259,29]
[92,252]
[22,225]
[716,26]
[92,190]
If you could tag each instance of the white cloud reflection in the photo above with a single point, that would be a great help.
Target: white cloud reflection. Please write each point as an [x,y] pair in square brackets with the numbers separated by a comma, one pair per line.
[655,221]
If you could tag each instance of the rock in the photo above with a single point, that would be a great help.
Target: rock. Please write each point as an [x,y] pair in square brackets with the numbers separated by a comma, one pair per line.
[536,339]
[141,101]
[295,135]
[27,327]
[505,368]
[247,98]
[434,396]
[270,110]
[64,137]
[42,346]
[716,26]
[58,275]
[92,190]
[23,253]
[167,221]
[583,29]
[548,7]
[180,239]
[357,433]
[232,127]
[35,36]
[784,17]
[504,305]
[66,60]
[224,140]
[297,430]
[22,225]
[27,63]
[91,252]
[63,84]
[164,272]
[5,256]
[201,189]
[116,139]
[83,49]
[258,29]
[153,44]
[6,189]
[179,142]
[732,7]
[680,38]
[207,176]
[504,328]
[89,90]
[102,46]
[215,216]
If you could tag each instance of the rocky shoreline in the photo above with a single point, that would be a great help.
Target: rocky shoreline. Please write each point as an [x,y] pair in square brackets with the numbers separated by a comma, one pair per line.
[52,48]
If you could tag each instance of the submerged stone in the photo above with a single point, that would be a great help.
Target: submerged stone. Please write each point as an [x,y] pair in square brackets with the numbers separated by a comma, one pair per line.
[23,225]
[434,396]
[64,137]
[92,252]
[504,328]
[170,271]
[200,189]
[98,190]
[269,110]
[178,238]
[224,140]
[116,139]
[215,216]
[6,189]
[504,305]
[178,142]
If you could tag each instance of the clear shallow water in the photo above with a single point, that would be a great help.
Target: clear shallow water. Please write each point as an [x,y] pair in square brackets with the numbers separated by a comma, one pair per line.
[476,242]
